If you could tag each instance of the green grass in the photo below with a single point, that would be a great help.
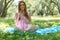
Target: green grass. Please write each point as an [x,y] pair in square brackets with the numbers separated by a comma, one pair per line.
[40,23]
[27,36]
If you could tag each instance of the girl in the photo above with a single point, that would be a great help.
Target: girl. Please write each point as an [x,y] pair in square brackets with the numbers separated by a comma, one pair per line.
[23,18]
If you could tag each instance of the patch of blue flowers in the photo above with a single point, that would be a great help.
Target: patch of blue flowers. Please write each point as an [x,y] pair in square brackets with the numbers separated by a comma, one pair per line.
[39,30]
[48,30]
[9,30]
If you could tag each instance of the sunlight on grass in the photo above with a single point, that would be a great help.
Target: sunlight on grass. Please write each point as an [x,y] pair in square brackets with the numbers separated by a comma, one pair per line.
[3,25]
[9,22]
[45,18]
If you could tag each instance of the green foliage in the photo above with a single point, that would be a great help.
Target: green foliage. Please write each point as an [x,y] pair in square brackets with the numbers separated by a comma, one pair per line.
[43,7]
[40,23]
[5,6]
[38,7]
[29,35]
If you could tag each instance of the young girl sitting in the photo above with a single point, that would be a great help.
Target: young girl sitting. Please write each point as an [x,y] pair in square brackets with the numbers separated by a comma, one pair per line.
[23,18]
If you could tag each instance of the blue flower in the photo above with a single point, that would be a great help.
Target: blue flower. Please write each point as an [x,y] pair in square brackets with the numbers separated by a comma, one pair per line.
[48,30]
[10,30]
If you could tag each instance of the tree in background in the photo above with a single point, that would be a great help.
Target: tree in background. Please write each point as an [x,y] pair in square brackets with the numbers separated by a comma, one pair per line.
[43,7]
[1,7]
[5,4]
[36,7]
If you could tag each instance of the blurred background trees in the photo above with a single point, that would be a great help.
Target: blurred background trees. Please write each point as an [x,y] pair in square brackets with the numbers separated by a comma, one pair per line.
[4,6]
[35,7]
[44,7]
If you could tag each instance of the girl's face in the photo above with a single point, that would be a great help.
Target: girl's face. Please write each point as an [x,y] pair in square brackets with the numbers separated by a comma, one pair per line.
[22,6]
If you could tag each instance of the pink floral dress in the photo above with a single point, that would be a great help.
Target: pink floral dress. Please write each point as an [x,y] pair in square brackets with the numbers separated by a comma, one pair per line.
[22,23]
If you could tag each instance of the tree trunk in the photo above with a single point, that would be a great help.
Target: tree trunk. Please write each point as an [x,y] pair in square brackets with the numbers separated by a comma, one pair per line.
[4,12]
[1,4]
[5,5]
[59,9]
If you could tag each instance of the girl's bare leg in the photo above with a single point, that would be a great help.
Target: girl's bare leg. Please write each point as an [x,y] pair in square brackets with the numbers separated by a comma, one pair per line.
[33,28]
[21,29]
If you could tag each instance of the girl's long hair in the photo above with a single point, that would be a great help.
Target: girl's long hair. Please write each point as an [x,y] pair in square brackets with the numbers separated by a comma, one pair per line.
[25,10]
